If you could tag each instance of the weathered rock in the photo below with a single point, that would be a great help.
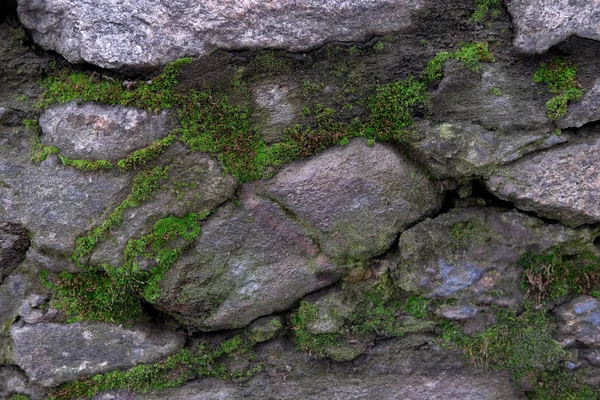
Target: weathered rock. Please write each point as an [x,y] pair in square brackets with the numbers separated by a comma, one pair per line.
[280,113]
[394,369]
[540,24]
[21,296]
[99,132]
[195,183]
[251,260]
[13,381]
[458,313]
[355,199]
[57,204]
[114,34]
[14,242]
[585,111]
[52,353]
[560,183]
[472,254]
[579,322]
[482,120]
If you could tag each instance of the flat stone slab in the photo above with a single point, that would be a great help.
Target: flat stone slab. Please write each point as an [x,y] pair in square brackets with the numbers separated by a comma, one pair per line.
[561,183]
[51,353]
[540,24]
[100,132]
[145,33]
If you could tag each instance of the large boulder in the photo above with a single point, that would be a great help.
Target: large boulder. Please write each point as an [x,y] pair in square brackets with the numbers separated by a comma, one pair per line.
[472,254]
[408,369]
[251,260]
[99,132]
[540,24]
[137,34]
[355,199]
[483,119]
[561,183]
[51,353]
[195,183]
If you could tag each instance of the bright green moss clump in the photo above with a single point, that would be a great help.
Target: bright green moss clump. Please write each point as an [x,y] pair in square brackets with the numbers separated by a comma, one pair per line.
[470,55]
[176,370]
[561,78]
[114,294]
[486,9]
[157,94]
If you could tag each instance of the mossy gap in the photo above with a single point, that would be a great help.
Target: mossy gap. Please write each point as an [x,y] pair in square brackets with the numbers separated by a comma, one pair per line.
[201,360]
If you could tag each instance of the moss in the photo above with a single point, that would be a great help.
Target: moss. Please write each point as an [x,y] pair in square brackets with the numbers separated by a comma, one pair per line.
[556,274]
[521,344]
[417,306]
[378,47]
[18,397]
[31,125]
[144,185]
[470,55]
[269,63]
[142,156]
[486,10]
[200,361]
[562,385]
[306,340]
[496,91]
[84,165]
[114,294]
[468,232]
[561,78]
[157,94]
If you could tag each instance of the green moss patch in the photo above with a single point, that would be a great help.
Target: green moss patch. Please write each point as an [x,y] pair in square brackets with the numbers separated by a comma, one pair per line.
[556,274]
[521,344]
[200,361]
[486,10]
[115,294]
[561,78]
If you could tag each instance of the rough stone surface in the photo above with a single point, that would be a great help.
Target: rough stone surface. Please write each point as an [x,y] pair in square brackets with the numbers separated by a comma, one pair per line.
[483,119]
[196,183]
[472,254]
[99,132]
[13,381]
[540,24]
[14,242]
[579,322]
[272,98]
[57,204]
[92,348]
[355,198]
[585,111]
[114,34]
[251,260]
[394,369]
[458,313]
[561,183]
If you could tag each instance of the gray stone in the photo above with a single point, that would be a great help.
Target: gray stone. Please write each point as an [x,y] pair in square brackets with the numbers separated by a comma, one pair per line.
[394,369]
[51,354]
[540,24]
[482,120]
[21,296]
[458,313]
[472,254]
[13,381]
[251,260]
[579,322]
[272,98]
[13,245]
[196,183]
[583,112]
[355,199]
[333,310]
[137,34]
[56,203]
[100,132]
[560,183]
